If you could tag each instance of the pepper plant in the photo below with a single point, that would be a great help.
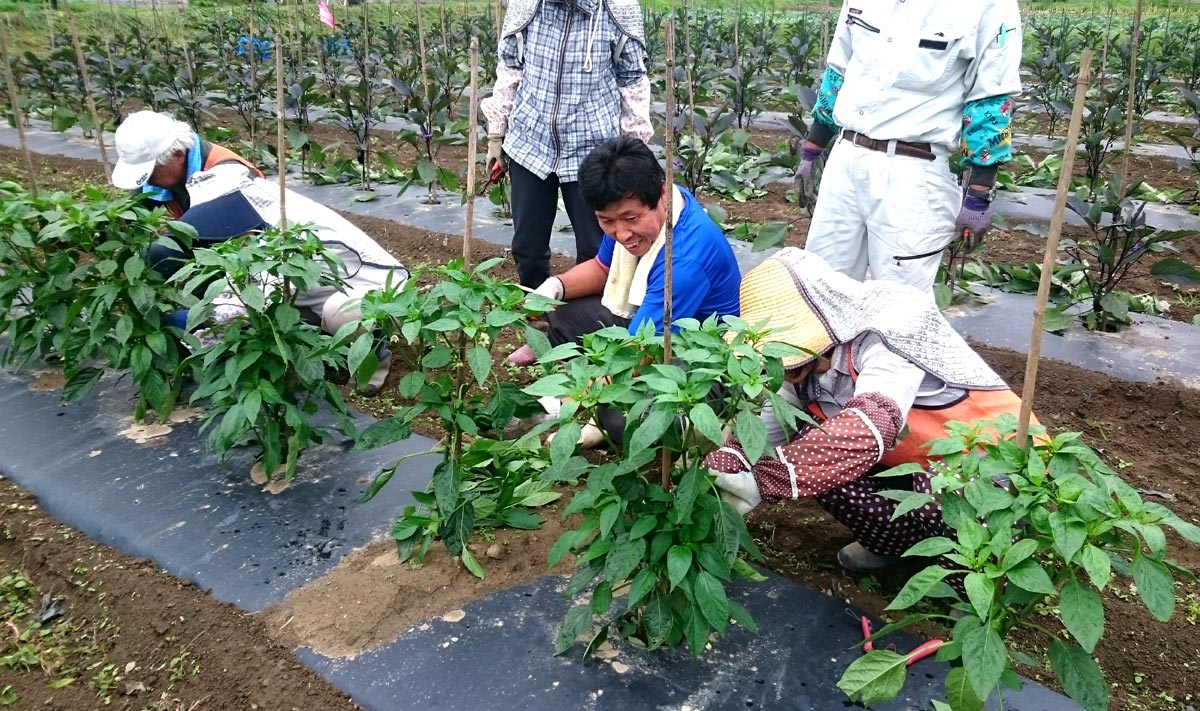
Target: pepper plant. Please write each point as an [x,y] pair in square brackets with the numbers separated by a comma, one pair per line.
[260,365]
[670,545]
[73,285]
[444,325]
[1035,534]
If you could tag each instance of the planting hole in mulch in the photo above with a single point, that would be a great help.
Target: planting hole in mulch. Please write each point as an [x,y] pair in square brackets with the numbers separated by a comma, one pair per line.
[370,597]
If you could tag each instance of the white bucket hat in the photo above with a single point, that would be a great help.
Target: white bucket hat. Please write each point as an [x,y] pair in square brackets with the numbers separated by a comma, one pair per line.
[140,139]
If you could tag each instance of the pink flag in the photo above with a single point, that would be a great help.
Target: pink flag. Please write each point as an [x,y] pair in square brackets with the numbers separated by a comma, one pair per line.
[326,13]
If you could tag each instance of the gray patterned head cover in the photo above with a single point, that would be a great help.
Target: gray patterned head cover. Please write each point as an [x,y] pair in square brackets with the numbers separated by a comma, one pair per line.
[627,14]
[906,318]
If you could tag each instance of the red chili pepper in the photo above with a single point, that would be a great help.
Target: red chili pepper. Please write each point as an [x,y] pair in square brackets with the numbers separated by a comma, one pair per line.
[866,632]
[923,651]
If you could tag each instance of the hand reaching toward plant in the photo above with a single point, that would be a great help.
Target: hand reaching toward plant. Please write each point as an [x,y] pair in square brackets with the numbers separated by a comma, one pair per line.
[552,288]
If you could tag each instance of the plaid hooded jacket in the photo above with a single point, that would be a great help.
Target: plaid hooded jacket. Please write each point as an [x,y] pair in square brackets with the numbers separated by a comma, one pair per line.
[568,78]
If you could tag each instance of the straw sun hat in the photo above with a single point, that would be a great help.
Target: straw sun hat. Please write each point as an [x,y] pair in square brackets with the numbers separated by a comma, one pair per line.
[807,304]
[774,292]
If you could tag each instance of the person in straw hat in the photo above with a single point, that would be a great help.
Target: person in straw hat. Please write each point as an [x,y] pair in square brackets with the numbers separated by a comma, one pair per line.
[229,202]
[883,373]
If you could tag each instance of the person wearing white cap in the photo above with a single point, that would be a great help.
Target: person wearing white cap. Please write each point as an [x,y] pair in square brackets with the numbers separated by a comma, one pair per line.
[157,154]
[883,373]
[229,202]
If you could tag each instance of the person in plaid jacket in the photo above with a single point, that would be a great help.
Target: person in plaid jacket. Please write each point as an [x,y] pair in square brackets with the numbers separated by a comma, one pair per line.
[571,73]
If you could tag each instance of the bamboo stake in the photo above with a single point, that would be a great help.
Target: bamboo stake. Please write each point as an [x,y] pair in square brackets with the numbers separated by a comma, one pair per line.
[87,90]
[1107,32]
[824,31]
[669,184]
[253,52]
[472,148]
[1134,45]
[426,108]
[50,23]
[445,31]
[366,77]
[18,117]
[281,147]
[1056,223]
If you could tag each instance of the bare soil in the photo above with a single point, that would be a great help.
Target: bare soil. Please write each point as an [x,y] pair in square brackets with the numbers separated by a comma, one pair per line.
[370,597]
[131,636]
[1148,431]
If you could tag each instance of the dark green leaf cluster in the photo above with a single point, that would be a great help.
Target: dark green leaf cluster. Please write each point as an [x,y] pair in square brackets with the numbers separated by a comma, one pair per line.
[1036,534]
[73,285]
[669,543]
[263,374]
[444,324]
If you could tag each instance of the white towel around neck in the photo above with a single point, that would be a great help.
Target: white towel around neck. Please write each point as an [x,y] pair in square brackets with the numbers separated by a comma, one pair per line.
[628,276]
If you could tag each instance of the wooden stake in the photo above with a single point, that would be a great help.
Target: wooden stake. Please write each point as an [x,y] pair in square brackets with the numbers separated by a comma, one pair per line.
[281,147]
[1107,32]
[1134,45]
[18,116]
[425,108]
[1048,262]
[669,181]
[253,51]
[87,90]
[366,148]
[472,149]
[50,23]
[824,31]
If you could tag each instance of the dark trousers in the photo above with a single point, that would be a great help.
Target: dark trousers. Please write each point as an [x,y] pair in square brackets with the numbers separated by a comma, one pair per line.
[859,506]
[569,322]
[534,205]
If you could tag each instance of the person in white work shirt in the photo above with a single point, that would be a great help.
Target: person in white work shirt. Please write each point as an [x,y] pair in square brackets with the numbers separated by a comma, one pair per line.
[907,82]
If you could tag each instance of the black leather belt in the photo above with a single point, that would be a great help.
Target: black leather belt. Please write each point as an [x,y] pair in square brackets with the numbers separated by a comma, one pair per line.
[903,148]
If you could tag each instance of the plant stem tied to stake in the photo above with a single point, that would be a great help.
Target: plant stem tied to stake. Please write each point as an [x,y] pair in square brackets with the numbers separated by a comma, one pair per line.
[669,180]
[18,117]
[1048,262]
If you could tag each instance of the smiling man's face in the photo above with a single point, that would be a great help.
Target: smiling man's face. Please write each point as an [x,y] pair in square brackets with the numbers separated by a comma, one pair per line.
[632,223]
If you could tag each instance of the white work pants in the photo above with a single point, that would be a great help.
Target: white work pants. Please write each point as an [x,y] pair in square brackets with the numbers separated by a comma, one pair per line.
[874,207]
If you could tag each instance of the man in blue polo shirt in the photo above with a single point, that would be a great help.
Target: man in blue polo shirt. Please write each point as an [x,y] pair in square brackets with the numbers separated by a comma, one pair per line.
[624,285]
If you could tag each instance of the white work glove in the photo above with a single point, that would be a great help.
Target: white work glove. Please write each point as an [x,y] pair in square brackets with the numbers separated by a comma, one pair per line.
[552,288]
[495,152]
[733,477]
[739,490]
[590,436]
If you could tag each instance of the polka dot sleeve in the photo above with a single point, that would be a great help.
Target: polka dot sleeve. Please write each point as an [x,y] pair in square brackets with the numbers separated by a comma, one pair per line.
[844,449]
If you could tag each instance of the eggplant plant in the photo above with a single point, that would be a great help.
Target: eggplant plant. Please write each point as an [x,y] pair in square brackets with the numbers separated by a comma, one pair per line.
[1120,238]
[656,545]
[444,325]
[435,122]
[357,102]
[1034,535]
